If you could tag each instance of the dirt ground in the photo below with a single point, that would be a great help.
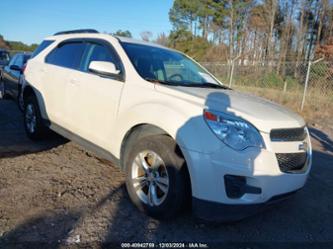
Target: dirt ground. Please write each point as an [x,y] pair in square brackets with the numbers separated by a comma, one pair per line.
[54,193]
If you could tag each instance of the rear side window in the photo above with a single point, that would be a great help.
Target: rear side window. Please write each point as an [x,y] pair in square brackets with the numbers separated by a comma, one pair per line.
[98,52]
[41,47]
[67,55]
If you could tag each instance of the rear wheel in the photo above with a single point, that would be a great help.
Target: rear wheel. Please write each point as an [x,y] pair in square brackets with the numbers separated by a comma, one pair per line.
[3,94]
[33,124]
[156,176]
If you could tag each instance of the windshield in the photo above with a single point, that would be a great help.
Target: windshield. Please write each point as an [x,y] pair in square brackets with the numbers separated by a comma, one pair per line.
[4,57]
[167,66]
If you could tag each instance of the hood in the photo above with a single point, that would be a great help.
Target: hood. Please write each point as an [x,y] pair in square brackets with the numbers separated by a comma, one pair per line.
[263,114]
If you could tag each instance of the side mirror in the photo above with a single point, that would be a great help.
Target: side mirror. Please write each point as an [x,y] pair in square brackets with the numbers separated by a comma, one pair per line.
[103,68]
[15,68]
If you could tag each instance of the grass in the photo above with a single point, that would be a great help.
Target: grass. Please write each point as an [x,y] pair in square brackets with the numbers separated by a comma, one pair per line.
[318,106]
[288,91]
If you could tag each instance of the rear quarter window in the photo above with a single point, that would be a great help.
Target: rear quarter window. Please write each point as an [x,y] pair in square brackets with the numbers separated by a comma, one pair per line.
[41,47]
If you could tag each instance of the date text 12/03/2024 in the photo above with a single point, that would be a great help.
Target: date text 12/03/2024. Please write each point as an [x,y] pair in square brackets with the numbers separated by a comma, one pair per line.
[164,245]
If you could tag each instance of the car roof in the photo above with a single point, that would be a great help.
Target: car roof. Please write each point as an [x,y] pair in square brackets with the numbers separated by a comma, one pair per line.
[62,37]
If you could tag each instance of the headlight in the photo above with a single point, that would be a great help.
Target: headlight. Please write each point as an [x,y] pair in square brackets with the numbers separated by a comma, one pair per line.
[235,133]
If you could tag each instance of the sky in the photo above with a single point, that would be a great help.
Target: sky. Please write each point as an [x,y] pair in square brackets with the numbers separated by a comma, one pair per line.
[31,21]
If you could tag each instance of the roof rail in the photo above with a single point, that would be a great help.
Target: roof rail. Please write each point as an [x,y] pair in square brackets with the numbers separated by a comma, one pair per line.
[77,31]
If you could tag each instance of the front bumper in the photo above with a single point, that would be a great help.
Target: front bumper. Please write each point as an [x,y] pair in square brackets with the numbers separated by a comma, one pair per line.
[218,212]
[260,168]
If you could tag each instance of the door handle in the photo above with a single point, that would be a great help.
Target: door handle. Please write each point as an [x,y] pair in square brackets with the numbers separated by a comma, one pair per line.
[73,81]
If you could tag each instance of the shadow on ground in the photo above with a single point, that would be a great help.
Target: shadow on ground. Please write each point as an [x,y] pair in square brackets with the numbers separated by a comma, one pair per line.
[13,140]
[325,141]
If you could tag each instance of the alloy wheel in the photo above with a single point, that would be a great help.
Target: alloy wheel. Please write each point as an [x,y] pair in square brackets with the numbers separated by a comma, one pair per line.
[30,118]
[150,178]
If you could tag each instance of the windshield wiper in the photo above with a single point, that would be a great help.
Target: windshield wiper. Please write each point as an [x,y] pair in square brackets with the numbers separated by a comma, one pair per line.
[207,85]
[185,84]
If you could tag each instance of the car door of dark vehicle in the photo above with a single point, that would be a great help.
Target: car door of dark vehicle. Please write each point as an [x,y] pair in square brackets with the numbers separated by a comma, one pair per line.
[9,76]
[12,77]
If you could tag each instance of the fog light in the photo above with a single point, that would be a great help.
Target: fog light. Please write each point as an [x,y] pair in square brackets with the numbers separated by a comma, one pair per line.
[236,186]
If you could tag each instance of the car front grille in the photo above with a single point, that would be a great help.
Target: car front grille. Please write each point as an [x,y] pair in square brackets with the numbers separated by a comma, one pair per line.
[292,162]
[291,134]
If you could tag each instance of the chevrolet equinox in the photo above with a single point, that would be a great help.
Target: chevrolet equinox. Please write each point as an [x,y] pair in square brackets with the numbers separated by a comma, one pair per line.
[180,134]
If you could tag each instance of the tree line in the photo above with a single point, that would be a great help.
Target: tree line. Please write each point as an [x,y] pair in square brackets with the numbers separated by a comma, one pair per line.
[256,31]
[16,45]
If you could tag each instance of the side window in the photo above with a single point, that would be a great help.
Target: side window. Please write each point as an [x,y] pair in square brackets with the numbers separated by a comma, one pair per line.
[67,55]
[13,60]
[19,60]
[41,47]
[98,52]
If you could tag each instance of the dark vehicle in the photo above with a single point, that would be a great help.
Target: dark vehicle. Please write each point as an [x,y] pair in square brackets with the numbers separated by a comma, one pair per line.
[12,75]
[4,58]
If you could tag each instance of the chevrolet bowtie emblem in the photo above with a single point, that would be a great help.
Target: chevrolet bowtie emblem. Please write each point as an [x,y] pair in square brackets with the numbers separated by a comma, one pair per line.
[303,146]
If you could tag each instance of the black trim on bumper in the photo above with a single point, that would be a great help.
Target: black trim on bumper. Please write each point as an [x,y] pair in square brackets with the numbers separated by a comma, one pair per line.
[219,212]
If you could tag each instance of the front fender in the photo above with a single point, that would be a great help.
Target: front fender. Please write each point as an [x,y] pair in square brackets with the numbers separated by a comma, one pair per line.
[189,130]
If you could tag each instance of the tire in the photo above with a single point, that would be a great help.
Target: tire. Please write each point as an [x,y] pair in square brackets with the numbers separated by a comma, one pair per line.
[20,101]
[1,86]
[1,90]
[168,173]
[3,93]
[33,123]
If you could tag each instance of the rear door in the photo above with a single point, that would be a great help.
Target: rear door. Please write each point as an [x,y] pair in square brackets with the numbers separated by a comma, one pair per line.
[93,99]
[58,68]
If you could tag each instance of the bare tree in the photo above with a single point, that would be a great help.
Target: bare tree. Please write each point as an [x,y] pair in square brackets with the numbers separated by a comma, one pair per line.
[286,38]
[162,39]
[271,12]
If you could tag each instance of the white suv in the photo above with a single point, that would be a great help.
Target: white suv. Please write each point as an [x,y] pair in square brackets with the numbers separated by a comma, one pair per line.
[176,130]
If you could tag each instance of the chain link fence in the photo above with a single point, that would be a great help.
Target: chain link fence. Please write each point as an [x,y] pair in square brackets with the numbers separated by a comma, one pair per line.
[305,87]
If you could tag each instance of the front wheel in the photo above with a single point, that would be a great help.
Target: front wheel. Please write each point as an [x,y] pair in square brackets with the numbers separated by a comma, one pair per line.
[20,100]
[156,176]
